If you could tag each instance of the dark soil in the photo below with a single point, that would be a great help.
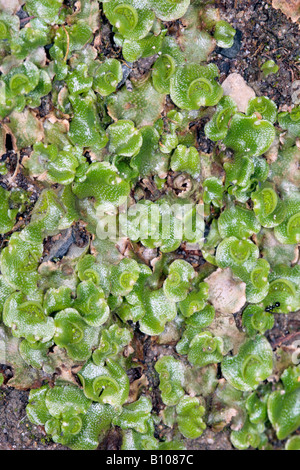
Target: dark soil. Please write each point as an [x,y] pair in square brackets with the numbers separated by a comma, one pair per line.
[263,34]
[266,34]
[16,431]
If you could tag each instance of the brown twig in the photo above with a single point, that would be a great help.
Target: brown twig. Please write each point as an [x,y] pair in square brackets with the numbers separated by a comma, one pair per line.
[11,179]
[258,49]
[124,63]
[285,339]
[28,18]
[68,43]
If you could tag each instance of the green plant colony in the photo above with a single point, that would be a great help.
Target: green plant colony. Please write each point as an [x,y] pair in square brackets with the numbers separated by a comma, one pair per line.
[69,323]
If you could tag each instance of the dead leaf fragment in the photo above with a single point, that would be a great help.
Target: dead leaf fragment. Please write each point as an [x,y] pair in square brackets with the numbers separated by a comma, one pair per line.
[135,388]
[11,6]
[225,293]
[291,8]
[236,87]
[227,296]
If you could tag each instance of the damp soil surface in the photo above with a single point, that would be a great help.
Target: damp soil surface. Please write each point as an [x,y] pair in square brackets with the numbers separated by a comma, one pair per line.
[263,33]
